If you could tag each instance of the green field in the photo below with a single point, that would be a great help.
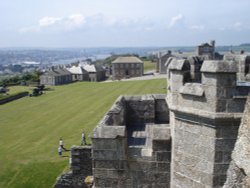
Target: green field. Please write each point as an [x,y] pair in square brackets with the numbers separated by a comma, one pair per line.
[15,90]
[149,66]
[31,127]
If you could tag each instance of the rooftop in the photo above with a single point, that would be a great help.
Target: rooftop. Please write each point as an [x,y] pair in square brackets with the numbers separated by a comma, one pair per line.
[76,70]
[128,59]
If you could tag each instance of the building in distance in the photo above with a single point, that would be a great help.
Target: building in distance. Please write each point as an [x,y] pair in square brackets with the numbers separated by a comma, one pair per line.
[127,67]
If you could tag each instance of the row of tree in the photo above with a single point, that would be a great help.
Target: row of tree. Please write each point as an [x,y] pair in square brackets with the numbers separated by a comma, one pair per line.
[23,78]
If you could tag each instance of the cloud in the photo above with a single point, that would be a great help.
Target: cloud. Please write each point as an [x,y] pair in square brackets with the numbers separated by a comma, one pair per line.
[49,21]
[79,21]
[75,20]
[197,27]
[61,23]
[175,20]
[237,26]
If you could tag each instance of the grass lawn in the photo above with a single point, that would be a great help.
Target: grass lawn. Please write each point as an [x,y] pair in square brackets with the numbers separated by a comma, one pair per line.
[30,127]
[18,89]
[14,90]
[149,66]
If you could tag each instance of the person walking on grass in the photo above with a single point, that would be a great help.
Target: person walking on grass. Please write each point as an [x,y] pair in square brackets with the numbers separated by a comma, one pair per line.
[83,139]
[59,151]
[61,144]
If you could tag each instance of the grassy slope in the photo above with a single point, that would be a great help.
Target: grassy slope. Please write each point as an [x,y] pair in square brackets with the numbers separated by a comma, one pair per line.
[30,127]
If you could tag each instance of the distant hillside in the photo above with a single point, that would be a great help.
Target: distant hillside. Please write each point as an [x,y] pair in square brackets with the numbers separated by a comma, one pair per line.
[245,45]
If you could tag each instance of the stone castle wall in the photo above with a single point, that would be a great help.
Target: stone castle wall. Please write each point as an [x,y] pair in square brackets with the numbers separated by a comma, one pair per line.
[81,167]
[132,145]
[185,141]
[206,117]
[239,171]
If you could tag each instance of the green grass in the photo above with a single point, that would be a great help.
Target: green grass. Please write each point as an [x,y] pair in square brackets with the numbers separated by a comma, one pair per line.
[15,90]
[18,89]
[149,66]
[30,127]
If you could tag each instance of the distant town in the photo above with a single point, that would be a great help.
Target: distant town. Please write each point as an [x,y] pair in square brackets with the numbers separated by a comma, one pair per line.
[16,62]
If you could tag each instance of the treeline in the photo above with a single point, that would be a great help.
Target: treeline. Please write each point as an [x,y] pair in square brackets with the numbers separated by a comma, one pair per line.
[23,78]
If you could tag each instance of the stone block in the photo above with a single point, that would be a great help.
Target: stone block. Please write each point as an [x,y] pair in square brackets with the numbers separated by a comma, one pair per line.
[142,166]
[161,145]
[208,131]
[205,167]
[219,80]
[188,171]
[207,141]
[109,132]
[108,155]
[236,105]
[218,157]
[206,179]
[163,156]
[224,144]
[221,105]
[110,164]
[227,157]
[194,89]
[161,133]
[162,177]
[164,167]
[227,132]
[220,169]
[160,185]
[216,66]
[181,181]
[106,183]
[189,127]
[106,143]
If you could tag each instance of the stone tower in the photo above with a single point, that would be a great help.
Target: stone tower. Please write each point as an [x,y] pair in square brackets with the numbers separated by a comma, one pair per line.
[204,120]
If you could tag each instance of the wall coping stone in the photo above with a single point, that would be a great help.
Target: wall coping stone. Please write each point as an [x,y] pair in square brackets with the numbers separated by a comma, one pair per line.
[206,114]
[213,66]
[177,64]
[192,89]
[81,147]
[161,133]
[109,132]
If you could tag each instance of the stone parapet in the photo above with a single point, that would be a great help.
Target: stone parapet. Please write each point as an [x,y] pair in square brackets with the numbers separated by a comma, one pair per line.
[81,167]
[137,153]
[206,118]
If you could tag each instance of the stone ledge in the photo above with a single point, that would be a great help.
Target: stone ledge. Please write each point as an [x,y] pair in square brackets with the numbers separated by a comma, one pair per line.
[161,133]
[109,132]
[219,66]
[178,64]
[192,89]
[206,114]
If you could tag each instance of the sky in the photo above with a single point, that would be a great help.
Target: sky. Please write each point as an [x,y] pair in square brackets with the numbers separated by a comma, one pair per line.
[123,23]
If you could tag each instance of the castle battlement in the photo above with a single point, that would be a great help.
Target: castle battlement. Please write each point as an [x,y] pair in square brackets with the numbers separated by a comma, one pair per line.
[216,94]
[204,117]
[184,139]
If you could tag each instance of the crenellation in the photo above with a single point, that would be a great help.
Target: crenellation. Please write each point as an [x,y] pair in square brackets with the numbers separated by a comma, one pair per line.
[184,139]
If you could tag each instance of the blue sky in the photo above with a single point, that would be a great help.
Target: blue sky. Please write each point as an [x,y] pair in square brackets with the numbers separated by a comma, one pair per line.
[118,23]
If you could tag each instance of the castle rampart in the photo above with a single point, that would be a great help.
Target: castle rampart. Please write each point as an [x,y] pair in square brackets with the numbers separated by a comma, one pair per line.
[182,140]
[205,120]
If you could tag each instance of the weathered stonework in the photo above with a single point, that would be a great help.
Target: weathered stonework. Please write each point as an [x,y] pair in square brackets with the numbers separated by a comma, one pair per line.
[206,117]
[184,140]
[239,171]
[132,145]
[81,167]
